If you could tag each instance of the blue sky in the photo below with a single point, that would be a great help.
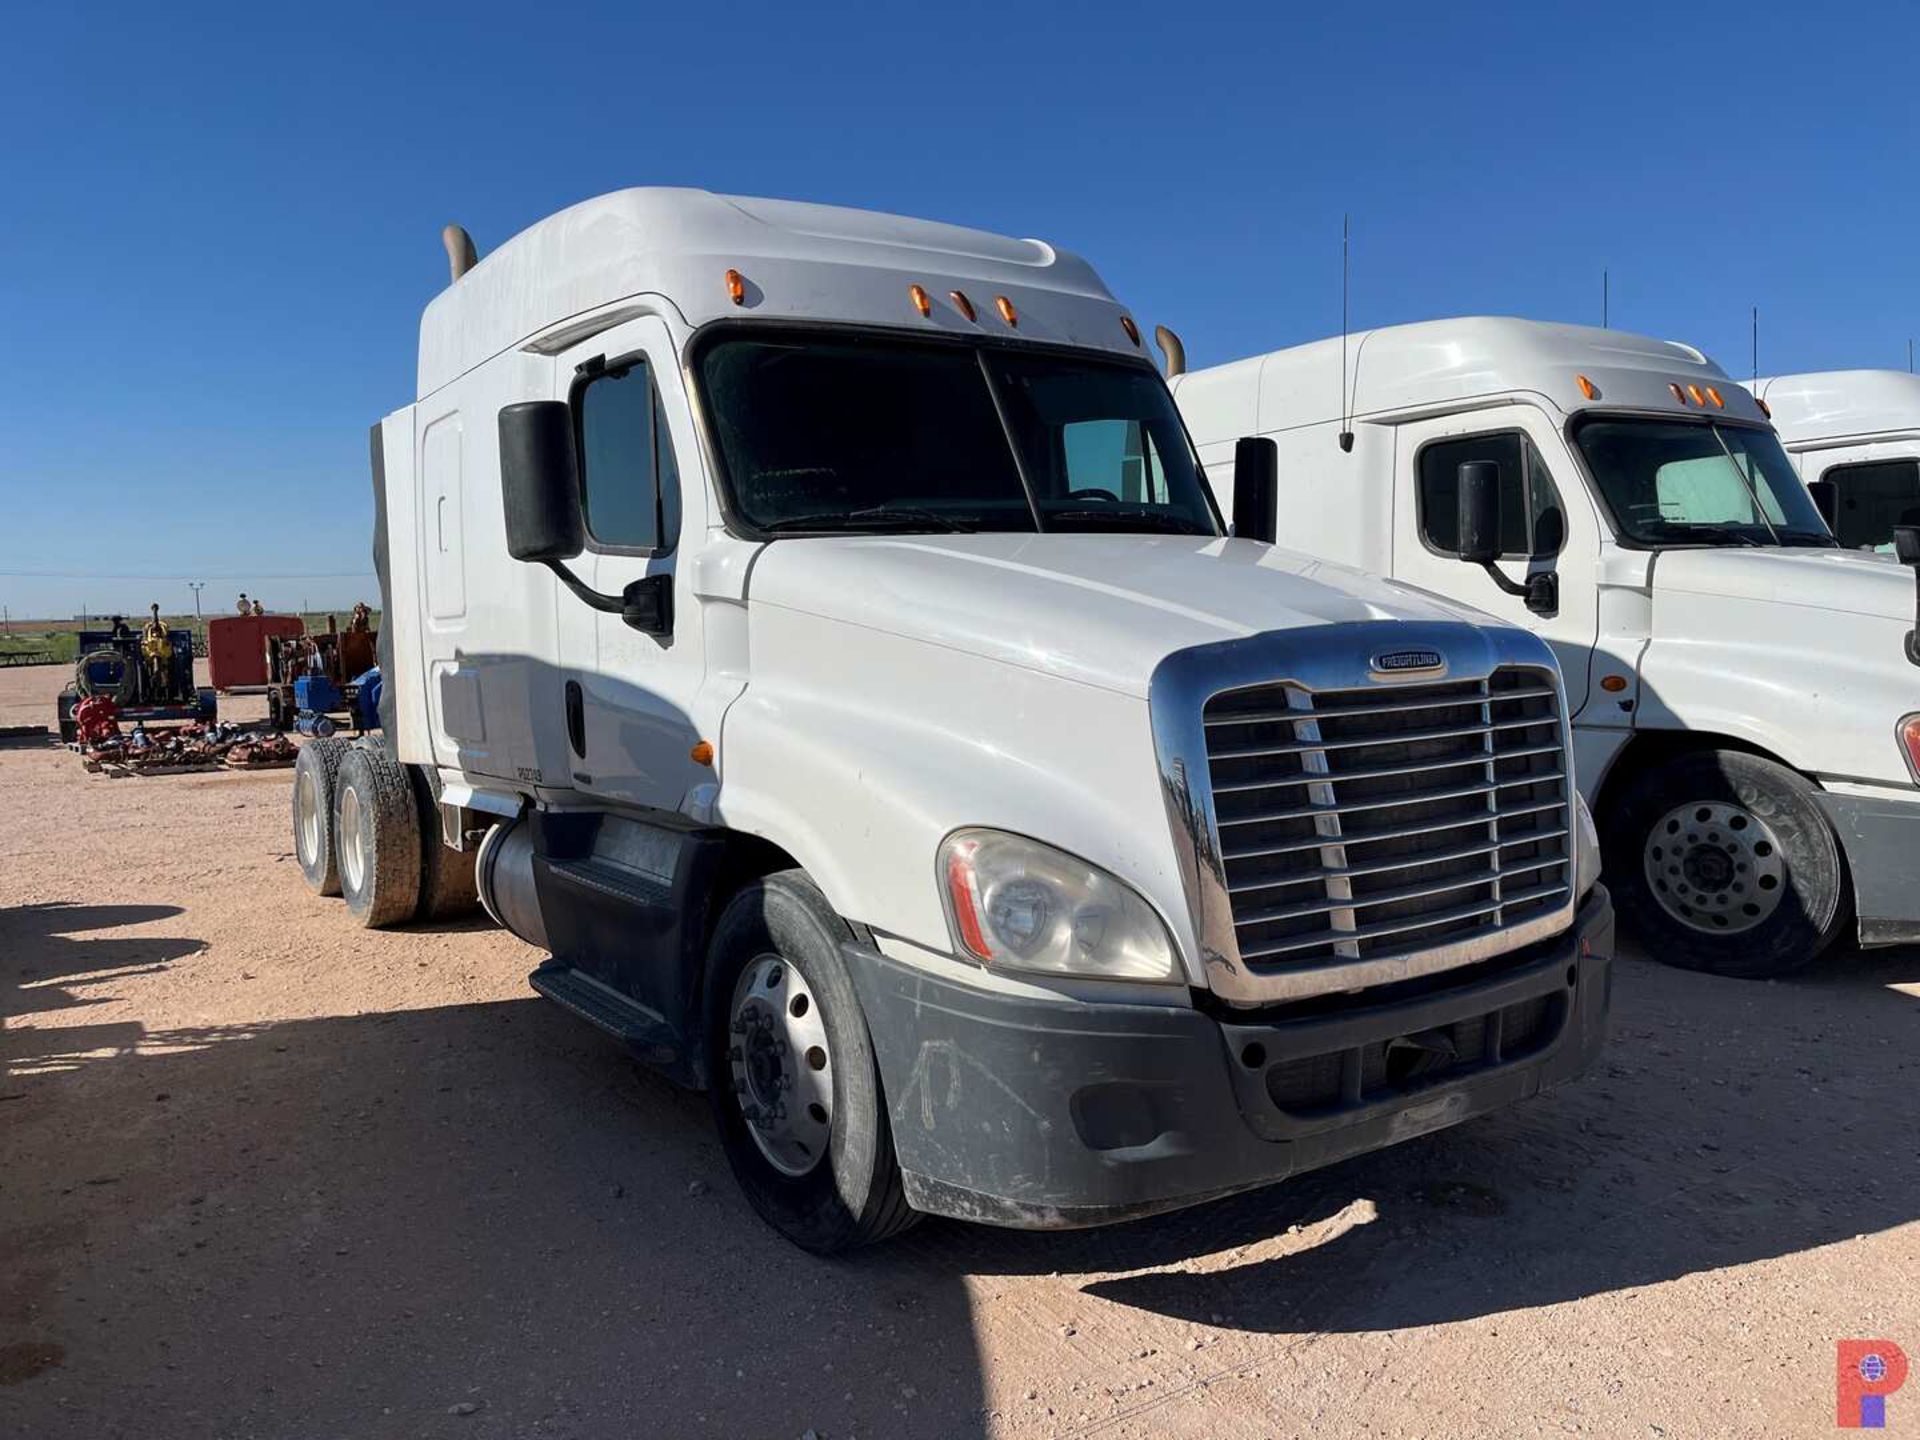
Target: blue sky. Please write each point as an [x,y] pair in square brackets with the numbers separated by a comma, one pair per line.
[219,226]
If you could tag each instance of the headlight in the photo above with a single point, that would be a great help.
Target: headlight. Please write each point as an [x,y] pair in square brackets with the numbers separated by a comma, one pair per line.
[1586,873]
[1016,904]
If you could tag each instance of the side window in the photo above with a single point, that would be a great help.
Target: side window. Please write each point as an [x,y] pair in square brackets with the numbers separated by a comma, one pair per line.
[1532,524]
[1873,498]
[1116,457]
[629,481]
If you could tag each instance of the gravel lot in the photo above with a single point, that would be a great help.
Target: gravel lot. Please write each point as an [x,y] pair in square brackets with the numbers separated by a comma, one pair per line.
[265,1174]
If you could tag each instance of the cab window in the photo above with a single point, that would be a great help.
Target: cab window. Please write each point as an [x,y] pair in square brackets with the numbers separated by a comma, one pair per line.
[1873,498]
[629,483]
[1532,525]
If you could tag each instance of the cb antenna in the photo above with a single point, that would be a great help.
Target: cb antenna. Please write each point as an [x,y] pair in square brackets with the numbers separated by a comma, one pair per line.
[1909,354]
[1756,342]
[1346,416]
[1606,298]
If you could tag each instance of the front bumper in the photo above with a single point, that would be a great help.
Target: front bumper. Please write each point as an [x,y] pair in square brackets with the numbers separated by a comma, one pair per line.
[1052,1114]
[1881,836]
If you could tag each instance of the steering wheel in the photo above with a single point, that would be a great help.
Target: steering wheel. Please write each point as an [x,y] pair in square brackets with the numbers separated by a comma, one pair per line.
[1094,494]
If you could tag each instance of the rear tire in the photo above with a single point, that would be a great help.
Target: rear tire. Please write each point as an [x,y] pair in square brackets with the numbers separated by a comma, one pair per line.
[377,838]
[849,1191]
[448,883]
[1724,862]
[316,771]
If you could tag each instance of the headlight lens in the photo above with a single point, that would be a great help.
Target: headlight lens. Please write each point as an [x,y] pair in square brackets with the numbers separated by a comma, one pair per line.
[1587,864]
[1016,904]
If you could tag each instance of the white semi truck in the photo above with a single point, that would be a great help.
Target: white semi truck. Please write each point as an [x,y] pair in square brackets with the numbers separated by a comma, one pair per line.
[817,628]
[1854,437]
[1745,701]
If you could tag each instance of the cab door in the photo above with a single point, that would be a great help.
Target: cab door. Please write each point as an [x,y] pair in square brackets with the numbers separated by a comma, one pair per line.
[1548,523]
[629,694]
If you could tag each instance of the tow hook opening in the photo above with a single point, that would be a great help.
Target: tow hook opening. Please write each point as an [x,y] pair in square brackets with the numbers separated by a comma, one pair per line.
[1411,1056]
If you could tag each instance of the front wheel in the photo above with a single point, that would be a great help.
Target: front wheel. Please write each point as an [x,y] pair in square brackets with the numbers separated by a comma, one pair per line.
[795,1084]
[1724,862]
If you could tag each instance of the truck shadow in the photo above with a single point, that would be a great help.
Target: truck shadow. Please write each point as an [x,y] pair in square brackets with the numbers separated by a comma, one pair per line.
[361,1225]
[1728,1122]
[53,953]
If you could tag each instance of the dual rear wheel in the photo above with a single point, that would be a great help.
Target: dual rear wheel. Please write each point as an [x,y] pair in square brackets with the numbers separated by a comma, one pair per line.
[367,828]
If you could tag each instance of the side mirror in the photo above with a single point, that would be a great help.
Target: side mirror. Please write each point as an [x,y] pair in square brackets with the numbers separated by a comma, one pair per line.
[540,482]
[1479,539]
[1256,489]
[1826,499]
[1906,549]
[647,604]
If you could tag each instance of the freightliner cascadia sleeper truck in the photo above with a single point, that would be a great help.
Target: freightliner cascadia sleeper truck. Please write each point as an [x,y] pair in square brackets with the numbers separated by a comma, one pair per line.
[817,628]
[1746,711]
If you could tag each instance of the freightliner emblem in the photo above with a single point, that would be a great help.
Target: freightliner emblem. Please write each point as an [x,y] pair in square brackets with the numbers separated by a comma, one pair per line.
[1409,662]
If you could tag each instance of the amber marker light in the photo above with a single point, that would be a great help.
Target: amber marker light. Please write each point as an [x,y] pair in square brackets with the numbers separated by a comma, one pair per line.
[961,303]
[1007,312]
[920,300]
[701,753]
[1714,396]
[1614,684]
[736,287]
[1678,393]
[1698,398]
[1765,408]
[1587,387]
[1133,330]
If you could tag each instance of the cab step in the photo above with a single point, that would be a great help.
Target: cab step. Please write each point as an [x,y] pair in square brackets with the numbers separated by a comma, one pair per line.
[646,1033]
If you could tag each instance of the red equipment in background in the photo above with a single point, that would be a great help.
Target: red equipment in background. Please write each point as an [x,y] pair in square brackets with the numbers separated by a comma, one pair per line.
[94,720]
[237,647]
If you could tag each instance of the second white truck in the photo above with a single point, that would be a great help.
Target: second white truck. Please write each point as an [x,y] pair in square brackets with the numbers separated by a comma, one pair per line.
[1854,436]
[1745,693]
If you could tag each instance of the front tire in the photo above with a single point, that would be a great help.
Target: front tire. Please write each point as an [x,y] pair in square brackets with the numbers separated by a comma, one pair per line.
[377,838]
[1725,863]
[795,1086]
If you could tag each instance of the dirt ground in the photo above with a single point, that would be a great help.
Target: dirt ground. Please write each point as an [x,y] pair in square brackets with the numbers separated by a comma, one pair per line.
[265,1174]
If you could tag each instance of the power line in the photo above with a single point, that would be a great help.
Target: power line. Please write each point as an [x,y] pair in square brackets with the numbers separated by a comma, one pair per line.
[189,575]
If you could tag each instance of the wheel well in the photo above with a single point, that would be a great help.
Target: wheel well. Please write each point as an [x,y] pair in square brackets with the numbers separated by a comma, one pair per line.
[1651,748]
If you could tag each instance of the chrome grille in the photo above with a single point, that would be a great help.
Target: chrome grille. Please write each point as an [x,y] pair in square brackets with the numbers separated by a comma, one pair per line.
[1387,821]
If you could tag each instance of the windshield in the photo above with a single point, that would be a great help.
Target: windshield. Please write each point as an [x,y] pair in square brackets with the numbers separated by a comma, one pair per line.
[832,433]
[1678,482]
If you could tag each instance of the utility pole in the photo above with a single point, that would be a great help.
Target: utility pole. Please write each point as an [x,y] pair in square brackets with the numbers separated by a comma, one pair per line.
[197,586]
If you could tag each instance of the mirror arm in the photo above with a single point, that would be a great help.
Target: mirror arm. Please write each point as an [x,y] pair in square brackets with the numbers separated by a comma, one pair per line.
[586,594]
[1541,592]
[1906,549]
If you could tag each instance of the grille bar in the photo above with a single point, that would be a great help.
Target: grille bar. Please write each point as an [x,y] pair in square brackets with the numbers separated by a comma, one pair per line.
[1335,712]
[1365,821]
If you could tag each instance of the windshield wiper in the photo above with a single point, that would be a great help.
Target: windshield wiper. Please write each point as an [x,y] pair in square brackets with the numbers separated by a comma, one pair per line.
[1130,518]
[1687,530]
[877,517]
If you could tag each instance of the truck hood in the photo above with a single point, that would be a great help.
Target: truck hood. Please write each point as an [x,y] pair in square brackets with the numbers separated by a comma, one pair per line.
[1848,582]
[1100,609]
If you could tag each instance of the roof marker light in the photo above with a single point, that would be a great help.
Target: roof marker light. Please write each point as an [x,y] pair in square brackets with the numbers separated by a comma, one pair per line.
[961,303]
[1765,408]
[1698,398]
[920,300]
[1678,393]
[1587,387]
[1007,312]
[1133,330]
[1714,396]
[736,287]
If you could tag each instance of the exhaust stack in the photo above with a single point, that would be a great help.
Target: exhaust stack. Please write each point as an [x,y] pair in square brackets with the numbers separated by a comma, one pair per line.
[461,256]
[1171,347]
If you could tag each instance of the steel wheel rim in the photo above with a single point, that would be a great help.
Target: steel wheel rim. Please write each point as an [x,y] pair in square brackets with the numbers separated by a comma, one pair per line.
[306,811]
[781,1066]
[1715,867]
[353,864]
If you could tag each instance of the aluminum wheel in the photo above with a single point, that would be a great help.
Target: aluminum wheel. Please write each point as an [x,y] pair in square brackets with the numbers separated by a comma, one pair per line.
[782,1075]
[306,811]
[346,839]
[1715,867]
